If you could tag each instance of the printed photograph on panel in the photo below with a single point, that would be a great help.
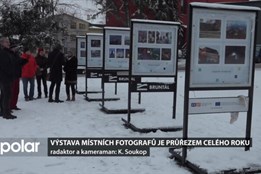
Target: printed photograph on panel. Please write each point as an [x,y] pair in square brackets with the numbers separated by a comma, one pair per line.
[210,28]
[119,53]
[142,37]
[208,55]
[82,44]
[166,54]
[112,53]
[95,43]
[235,54]
[236,29]
[163,37]
[95,53]
[148,53]
[127,40]
[115,39]
[127,53]
[83,53]
[151,36]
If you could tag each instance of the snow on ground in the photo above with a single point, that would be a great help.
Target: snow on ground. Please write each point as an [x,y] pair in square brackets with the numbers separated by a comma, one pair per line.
[40,119]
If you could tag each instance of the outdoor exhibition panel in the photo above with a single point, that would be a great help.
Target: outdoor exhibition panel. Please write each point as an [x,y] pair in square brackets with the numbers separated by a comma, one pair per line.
[117,48]
[221,47]
[94,45]
[94,59]
[153,55]
[81,50]
[154,50]
[81,57]
[220,58]
[116,52]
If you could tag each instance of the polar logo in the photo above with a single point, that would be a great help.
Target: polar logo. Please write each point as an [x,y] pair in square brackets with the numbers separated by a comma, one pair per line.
[22,146]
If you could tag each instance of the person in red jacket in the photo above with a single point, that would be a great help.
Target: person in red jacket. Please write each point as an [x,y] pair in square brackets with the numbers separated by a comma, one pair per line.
[28,74]
[19,63]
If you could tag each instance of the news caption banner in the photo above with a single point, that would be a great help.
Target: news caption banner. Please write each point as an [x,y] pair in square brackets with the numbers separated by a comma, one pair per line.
[131,146]
[106,146]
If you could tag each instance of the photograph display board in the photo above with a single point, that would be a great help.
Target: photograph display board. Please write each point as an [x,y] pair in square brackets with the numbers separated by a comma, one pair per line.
[117,48]
[81,50]
[154,48]
[94,50]
[222,44]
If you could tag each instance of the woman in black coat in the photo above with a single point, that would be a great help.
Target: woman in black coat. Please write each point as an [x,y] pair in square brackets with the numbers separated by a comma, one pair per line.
[41,74]
[70,69]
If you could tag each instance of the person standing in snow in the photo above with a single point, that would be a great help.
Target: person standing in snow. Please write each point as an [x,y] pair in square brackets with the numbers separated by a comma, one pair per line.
[55,61]
[28,74]
[18,72]
[41,61]
[7,76]
[70,69]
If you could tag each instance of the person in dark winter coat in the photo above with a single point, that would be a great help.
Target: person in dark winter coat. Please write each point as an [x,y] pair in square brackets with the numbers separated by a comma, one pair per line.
[7,76]
[41,74]
[56,61]
[70,69]
[18,72]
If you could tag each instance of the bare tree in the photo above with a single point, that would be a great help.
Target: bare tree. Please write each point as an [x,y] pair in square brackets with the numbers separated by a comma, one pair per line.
[158,9]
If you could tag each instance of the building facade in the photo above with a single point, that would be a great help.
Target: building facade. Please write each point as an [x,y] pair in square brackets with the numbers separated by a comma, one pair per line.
[72,27]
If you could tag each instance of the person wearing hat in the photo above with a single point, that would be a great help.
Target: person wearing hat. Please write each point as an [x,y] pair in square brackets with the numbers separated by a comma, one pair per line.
[41,74]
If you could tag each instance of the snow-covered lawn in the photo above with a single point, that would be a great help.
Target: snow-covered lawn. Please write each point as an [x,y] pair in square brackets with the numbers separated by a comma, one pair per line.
[40,119]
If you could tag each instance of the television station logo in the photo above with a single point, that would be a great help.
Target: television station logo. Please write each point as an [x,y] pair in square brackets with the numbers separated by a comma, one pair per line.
[18,147]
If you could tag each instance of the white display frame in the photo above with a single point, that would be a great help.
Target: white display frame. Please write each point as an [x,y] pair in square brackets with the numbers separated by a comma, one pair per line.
[81,50]
[116,48]
[94,47]
[143,63]
[219,58]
